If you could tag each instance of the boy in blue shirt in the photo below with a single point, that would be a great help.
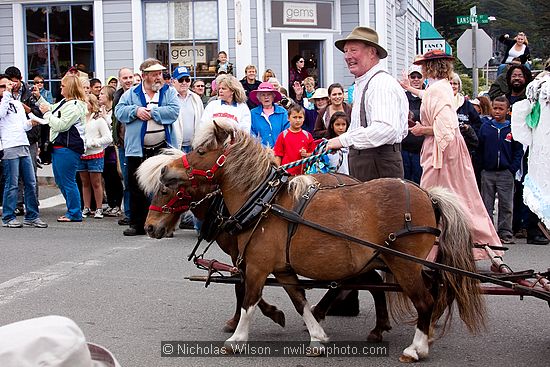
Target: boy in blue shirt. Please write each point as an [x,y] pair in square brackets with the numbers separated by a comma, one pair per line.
[500,158]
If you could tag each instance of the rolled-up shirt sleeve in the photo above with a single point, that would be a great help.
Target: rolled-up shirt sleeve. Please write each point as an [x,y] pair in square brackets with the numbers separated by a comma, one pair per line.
[386,111]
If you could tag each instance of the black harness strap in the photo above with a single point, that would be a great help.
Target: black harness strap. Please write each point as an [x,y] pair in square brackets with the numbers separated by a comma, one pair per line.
[299,208]
[293,217]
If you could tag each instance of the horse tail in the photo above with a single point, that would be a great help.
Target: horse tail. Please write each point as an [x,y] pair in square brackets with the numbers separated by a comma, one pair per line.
[455,249]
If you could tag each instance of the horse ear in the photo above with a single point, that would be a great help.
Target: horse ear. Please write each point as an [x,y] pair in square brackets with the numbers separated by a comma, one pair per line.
[219,133]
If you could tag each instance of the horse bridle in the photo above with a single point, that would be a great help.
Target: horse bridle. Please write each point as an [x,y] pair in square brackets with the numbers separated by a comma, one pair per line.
[181,202]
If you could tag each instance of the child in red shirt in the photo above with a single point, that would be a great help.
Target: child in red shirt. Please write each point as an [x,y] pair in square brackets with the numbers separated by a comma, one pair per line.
[294,143]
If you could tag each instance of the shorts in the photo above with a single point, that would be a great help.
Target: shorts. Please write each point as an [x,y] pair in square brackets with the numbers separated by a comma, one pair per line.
[91,165]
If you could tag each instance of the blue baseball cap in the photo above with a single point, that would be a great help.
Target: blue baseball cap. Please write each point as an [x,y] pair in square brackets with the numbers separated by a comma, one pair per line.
[179,72]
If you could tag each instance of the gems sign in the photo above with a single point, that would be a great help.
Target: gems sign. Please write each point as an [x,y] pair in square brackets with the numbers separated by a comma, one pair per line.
[301,14]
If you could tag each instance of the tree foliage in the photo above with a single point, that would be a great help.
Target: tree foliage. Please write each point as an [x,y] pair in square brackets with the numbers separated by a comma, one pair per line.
[513,16]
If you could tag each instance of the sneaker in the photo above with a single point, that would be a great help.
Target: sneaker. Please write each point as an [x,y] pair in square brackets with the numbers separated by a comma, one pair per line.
[114,212]
[37,223]
[14,223]
[522,233]
[124,222]
[86,212]
[98,214]
[507,240]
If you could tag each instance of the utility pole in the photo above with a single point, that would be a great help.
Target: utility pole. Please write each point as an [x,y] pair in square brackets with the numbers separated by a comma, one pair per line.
[475,75]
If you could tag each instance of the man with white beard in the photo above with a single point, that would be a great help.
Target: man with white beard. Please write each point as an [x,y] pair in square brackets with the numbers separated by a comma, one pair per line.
[148,111]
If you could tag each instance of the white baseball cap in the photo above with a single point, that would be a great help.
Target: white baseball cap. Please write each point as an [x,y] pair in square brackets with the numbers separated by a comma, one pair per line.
[415,69]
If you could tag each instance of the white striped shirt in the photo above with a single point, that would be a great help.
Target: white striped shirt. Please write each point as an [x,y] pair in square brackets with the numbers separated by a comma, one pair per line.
[387,109]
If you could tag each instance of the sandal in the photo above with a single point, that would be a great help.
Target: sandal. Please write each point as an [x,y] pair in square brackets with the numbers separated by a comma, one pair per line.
[64,219]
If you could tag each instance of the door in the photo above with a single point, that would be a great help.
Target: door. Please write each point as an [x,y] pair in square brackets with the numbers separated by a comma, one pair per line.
[312,52]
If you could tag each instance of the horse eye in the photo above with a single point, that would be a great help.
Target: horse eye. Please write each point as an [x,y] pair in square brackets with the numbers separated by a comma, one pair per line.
[201,151]
[164,191]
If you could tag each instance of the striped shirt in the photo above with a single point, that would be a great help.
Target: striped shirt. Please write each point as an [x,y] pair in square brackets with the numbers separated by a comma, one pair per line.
[155,132]
[387,109]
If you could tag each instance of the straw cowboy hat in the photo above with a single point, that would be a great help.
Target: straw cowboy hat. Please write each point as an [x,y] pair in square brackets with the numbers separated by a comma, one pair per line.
[319,93]
[50,341]
[265,87]
[363,34]
[433,55]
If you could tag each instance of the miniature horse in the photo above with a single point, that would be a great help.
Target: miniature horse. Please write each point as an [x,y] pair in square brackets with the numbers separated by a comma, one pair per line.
[163,223]
[371,211]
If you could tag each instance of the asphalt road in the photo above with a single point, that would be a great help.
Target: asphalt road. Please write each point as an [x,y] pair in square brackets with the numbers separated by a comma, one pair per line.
[129,294]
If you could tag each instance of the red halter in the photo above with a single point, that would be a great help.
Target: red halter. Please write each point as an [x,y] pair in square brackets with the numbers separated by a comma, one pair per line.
[209,174]
[174,206]
[181,201]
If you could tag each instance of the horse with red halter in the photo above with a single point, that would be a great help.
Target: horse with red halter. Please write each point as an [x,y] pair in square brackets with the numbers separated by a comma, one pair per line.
[168,204]
[374,211]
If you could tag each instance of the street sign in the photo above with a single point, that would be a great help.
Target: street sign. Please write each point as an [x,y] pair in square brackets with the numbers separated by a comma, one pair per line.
[467,19]
[463,19]
[484,48]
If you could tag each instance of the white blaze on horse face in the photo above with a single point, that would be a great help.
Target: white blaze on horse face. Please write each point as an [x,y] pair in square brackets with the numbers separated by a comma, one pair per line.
[241,332]
[316,331]
[419,347]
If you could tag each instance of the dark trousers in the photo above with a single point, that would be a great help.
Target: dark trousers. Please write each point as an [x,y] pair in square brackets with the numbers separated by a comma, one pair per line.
[139,204]
[499,183]
[113,184]
[411,166]
[379,162]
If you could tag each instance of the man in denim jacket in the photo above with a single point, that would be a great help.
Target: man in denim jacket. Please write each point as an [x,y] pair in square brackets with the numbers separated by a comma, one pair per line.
[148,111]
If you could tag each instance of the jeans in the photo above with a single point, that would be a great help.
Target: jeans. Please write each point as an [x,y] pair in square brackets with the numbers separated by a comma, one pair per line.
[33,148]
[12,169]
[499,183]
[126,190]
[64,164]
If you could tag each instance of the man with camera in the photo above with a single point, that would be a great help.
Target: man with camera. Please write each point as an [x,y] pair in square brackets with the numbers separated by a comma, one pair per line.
[23,93]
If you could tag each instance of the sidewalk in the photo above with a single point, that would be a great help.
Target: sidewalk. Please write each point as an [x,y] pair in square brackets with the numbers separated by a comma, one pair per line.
[45,175]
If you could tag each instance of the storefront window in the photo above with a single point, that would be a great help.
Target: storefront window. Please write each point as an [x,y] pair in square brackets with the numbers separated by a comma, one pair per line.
[183,33]
[59,37]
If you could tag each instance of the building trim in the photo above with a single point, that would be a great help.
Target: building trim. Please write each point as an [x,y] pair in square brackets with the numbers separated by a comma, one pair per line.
[260,28]
[19,52]
[99,45]
[138,29]
[381,29]
[243,39]
[328,54]
[364,14]
[223,42]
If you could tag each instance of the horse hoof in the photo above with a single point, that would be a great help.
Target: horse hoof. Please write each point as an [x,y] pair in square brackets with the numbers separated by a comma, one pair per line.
[407,359]
[230,326]
[279,318]
[315,349]
[375,337]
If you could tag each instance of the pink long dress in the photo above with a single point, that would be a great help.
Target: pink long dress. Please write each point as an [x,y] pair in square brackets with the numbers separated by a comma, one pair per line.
[446,162]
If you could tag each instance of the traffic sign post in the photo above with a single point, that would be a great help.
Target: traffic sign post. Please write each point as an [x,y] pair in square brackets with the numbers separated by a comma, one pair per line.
[474,47]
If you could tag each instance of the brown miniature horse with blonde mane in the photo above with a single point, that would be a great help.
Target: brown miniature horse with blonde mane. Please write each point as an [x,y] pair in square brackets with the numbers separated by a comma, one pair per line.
[162,223]
[370,211]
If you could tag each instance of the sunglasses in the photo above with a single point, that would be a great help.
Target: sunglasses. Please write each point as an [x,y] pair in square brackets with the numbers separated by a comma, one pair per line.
[415,76]
[184,79]
[41,82]
[199,86]
[3,86]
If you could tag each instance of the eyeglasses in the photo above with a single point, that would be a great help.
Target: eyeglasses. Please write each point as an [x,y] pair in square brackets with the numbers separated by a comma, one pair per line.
[184,79]
[415,76]
[40,82]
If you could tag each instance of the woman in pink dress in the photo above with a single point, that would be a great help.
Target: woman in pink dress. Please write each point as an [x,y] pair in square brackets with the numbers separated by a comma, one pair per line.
[444,157]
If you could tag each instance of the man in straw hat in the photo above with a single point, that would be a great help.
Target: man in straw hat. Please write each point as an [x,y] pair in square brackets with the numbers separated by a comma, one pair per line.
[378,117]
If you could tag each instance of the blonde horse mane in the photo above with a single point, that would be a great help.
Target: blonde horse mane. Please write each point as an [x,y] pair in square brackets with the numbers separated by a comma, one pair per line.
[248,161]
[148,173]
